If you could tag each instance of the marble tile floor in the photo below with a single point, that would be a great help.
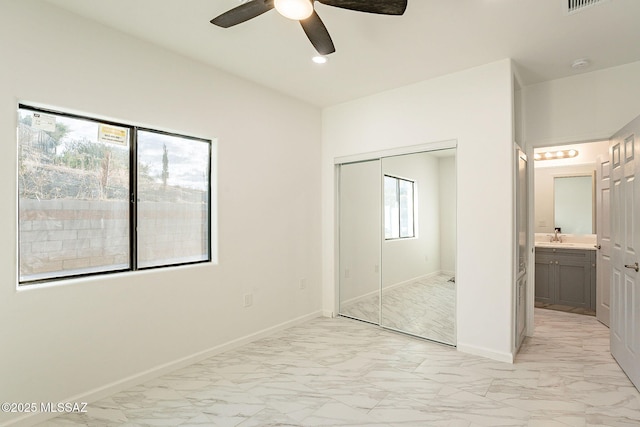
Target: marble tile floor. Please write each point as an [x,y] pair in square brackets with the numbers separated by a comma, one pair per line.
[424,307]
[342,372]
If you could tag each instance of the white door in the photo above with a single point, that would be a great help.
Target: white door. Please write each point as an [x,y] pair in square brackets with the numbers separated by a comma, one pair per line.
[625,292]
[603,215]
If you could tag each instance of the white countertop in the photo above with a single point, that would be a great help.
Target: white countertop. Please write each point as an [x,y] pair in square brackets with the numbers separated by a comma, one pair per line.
[568,245]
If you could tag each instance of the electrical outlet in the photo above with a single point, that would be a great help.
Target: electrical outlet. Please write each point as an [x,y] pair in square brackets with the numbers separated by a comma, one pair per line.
[248,300]
[303,284]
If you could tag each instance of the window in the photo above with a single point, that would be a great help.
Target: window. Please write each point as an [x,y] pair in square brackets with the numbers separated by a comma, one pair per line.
[97,197]
[398,208]
[177,203]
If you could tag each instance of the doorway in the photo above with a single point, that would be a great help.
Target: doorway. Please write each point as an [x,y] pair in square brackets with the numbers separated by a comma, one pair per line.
[568,228]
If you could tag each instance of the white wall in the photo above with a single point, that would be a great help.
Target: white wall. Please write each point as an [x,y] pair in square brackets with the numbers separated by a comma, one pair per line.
[586,107]
[69,340]
[447,204]
[475,108]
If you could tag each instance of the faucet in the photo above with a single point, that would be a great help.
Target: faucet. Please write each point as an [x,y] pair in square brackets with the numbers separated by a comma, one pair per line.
[556,237]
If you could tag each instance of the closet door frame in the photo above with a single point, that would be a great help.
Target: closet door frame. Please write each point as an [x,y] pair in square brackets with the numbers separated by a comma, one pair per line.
[363,157]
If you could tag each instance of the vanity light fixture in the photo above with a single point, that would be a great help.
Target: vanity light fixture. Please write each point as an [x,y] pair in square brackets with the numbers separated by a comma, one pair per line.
[556,155]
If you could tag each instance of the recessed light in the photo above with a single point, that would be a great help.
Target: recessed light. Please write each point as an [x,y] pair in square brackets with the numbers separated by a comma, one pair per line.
[319,59]
[580,64]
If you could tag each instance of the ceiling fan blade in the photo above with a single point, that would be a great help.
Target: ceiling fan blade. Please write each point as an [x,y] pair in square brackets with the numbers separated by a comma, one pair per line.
[383,7]
[318,35]
[242,13]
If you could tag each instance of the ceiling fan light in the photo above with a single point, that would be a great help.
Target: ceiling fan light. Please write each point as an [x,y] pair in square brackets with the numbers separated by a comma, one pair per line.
[294,9]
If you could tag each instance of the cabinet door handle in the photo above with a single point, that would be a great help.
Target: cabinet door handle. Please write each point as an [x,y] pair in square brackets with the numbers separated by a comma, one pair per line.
[634,266]
[556,262]
[598,246]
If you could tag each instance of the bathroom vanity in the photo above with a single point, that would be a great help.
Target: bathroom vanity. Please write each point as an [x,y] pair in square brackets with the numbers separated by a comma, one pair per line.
[566,274]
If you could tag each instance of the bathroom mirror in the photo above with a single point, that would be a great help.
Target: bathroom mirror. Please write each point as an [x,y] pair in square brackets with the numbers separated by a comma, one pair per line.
[418,246]
[573,204]
[546,196]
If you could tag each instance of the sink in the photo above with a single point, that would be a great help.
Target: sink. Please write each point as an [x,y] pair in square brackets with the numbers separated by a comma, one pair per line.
[554,244]
[565,245]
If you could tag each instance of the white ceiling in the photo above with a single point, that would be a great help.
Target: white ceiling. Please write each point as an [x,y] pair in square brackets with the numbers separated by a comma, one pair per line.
[376,53]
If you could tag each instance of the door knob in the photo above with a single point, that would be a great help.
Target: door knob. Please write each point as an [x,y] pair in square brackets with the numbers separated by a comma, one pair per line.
[634,266]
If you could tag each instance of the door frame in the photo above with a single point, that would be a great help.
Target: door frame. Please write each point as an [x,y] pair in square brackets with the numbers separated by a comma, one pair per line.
[517,338]
[531,188]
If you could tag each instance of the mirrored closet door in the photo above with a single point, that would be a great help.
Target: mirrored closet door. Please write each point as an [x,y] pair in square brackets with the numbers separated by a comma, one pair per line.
[398,230]
[359,234]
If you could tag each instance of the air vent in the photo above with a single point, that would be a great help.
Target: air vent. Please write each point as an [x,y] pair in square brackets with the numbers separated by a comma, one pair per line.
[574,6]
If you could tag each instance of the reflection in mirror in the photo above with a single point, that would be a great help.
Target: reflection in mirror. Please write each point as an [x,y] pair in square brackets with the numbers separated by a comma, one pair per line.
[418,272]
[398,208]
[573,204]
[359,240]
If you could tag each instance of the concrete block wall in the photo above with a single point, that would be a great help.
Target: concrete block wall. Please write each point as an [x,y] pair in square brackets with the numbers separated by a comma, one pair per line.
[171,232]
[83,236]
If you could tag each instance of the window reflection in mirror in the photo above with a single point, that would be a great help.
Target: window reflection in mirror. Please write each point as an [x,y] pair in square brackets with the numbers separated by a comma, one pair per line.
[398,208]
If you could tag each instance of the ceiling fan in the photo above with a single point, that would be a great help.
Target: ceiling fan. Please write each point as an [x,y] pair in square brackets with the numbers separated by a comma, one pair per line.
[304,12]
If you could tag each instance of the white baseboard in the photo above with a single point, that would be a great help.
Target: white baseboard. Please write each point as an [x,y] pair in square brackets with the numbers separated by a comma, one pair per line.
[395,285]
[361,297]
[142,377]
[485,352]
[414,279]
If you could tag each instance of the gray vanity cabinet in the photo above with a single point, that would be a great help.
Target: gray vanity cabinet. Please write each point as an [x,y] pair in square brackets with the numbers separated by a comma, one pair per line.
[565,277]
[545,277]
